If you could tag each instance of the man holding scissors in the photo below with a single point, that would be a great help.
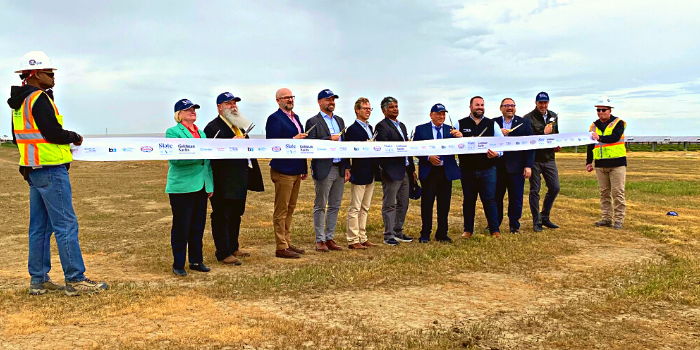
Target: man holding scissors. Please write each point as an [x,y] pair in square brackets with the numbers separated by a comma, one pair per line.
[330,175]
[544,122]
[514,167]
[232,180]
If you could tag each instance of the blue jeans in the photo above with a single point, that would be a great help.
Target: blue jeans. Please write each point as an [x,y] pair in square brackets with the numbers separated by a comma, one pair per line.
[51,211]
[481,183]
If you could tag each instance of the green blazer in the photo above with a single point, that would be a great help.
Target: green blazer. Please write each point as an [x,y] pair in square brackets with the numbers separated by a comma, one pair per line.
[188,175]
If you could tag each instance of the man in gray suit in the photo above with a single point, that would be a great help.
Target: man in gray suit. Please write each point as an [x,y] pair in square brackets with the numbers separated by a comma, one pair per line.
[329,175]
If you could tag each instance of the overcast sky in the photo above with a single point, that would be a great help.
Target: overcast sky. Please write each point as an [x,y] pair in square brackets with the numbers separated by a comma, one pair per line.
[123,64]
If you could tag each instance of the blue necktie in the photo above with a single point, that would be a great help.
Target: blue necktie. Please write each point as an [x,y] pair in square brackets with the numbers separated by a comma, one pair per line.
[439,133]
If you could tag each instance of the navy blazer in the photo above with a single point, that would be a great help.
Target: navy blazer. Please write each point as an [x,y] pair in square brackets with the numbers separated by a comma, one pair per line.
[425,132]
[363,171]
[515,162]
[280,127]
[320,168]
[394,167]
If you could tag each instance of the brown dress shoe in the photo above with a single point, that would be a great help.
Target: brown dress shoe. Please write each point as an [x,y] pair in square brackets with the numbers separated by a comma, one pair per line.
[369,244]
[466,234]
[356,246]
[241,254]
[332,246]
[232,260]
[296,250]
[496,234]
[286,254]
[321,247]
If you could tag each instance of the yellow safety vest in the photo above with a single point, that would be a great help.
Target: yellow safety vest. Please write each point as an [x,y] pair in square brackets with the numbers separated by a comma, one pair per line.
[34,150]
[609,150]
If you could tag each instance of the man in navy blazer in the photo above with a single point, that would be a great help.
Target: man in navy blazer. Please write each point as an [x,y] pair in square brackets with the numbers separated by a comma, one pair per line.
[436,174]
[514,166]
[363,173]
[330,175]
[397,174]
[286,174]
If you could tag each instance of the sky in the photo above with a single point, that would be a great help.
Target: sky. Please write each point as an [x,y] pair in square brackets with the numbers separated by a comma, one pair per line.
[122,65]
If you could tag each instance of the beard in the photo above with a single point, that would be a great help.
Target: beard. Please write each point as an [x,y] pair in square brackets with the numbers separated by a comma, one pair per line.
[235,118]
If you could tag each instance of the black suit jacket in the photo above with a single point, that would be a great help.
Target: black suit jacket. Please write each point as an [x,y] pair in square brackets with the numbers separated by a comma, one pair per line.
[515,161]
[363,171]
[320,168]
[232,177]
[394,167]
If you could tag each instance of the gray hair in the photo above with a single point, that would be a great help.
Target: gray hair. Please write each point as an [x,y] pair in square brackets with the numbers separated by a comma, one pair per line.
[386,101]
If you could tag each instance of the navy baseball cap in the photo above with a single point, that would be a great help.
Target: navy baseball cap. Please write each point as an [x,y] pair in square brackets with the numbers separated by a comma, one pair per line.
[185,104]
[326,94]
[542,96]
[225,97]
[438,107]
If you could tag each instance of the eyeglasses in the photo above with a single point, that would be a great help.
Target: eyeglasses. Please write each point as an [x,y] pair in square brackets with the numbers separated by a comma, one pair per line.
[287,97]
[367,109]
[508,105]
[50,74]
[601,110]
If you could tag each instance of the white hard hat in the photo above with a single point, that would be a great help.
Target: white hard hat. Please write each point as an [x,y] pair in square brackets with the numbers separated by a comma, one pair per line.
[604,101]
[35,60]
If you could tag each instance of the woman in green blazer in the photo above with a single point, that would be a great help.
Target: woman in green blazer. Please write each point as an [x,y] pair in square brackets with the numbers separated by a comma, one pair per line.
[190,183]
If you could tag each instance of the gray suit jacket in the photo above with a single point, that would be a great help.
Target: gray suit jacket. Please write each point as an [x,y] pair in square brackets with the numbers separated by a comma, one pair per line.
[320,168]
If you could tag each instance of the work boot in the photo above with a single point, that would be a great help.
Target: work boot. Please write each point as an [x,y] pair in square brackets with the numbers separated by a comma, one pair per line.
[84,286]
[46,286]
[603,223]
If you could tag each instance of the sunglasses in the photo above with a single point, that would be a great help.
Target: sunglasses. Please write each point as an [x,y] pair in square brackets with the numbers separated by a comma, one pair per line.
[601,110]
[50,74]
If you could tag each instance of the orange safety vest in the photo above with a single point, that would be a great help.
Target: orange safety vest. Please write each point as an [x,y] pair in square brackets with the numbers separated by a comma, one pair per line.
[34,150]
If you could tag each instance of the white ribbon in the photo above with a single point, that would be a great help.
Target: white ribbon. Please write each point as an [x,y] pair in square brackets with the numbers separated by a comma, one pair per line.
[138,148]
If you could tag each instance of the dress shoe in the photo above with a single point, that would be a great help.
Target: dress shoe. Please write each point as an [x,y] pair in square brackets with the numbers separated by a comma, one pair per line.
[538,228]
[287,254]
[296,250]
[231,260]
[603,223]
[321,247]
[548,224]
[200,267]
[241,254]
[444,239]
[332,246]
[515,231]
[368,244]
[391,241]
[496,234]
[180,272]
[356,246]
[423,240]
[466,234]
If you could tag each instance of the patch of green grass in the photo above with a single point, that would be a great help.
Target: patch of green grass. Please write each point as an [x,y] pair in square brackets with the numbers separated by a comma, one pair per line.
[665,187]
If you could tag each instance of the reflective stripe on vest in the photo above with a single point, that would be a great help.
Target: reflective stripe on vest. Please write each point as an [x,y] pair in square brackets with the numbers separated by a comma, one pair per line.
[34,150]
[609,150]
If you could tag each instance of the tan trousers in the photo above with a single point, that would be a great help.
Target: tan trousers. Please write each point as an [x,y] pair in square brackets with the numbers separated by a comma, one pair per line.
[612,190]
[286,193]
[360,199]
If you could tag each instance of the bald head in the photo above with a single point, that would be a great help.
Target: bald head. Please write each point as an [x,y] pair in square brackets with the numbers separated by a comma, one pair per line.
[285,99]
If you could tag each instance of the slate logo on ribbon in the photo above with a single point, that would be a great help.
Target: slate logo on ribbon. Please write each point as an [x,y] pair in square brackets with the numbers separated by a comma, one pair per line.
[472,145]
[165,148]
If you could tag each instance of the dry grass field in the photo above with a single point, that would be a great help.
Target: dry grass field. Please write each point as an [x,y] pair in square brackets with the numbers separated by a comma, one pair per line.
[577,287]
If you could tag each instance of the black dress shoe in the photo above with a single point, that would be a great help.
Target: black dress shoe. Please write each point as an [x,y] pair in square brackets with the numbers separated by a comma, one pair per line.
[549,224]
[180,272]
[538,228]
[423,240]
[515,232]
[444,239]
[200,267]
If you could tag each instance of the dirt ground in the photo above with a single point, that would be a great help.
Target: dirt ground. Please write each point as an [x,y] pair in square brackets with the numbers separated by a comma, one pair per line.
[577,287]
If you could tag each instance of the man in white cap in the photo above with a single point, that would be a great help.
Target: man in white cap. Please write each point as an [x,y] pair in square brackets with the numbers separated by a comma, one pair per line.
[45,157]
[610,158]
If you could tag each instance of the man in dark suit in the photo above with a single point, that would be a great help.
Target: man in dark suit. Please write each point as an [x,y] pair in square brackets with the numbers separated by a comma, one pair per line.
[232,180]
[363,173]
[329,175]
[436,174]
[513,167]
[397,174]
[286,174]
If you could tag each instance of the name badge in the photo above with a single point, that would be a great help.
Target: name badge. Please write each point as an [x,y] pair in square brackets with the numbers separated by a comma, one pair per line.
[467,130]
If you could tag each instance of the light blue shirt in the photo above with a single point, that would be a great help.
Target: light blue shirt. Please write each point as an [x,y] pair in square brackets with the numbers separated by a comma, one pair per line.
[398,127]
[496,131]
[366,127]
[508,125]
[442,134]
[333,127]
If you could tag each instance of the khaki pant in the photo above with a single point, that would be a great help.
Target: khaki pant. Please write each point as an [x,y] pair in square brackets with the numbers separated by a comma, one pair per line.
[286,193]
[612,190]
[360,199]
